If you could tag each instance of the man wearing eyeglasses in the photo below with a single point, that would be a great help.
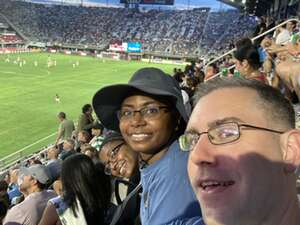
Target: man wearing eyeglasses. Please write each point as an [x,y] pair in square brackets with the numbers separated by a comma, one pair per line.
[244,153]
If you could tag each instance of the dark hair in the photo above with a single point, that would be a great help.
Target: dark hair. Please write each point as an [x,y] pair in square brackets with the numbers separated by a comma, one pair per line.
[277,107]
[42,186]
[86,108]
[86,135]
[243,42]
[3,209]
[213,65]
[250,54]
[70,141]
[62,115]
[3,185]
[88,184]
[112,136]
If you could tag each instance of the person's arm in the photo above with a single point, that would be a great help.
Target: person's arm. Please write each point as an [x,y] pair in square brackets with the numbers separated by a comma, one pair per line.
[59,134]
[50,216]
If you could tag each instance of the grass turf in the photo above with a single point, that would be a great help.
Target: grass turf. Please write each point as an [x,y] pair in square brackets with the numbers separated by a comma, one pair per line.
[27,100]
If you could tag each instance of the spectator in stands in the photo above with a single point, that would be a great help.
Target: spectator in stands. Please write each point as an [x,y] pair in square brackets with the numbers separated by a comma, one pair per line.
[291,26]
[282,35]
[13,189]
[34,161]
[159,31]
[243,42]
[151,116]
[65,129]
[86,196]
[86,120]
[210,71]
[178,75]
[53,163]
[248,63]
[97,132]
[91,152]
[33,182]
[83,139]
[260,28]
[232,153]
[121,162]
[68,149]
[118,158]
[288,71]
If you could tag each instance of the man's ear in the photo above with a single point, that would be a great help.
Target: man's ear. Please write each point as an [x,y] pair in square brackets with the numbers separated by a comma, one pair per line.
[290,146]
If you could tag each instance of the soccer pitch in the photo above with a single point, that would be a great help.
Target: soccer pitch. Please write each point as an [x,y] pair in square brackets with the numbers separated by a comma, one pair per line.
[27,100]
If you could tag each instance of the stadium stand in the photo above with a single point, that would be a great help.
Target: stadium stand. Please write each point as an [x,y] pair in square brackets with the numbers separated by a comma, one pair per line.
[173,32]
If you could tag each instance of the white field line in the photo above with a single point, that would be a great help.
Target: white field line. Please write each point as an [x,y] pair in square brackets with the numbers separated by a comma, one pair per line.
[8,72]
[28,146]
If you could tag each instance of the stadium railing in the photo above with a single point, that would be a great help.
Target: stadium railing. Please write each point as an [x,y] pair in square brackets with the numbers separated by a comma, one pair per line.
[253,39]
[12,159]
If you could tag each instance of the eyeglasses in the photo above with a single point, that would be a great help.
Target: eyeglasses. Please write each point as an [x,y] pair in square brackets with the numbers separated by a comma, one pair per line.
[148,112]
[111,155]
[218,135]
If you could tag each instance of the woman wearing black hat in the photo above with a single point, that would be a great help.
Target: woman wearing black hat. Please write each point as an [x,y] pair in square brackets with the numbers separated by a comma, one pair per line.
[150,114]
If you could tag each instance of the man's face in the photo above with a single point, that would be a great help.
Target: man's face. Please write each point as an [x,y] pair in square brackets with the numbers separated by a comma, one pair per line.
[67,146]
[290,26]
[209,72]
[82,138]
[146,135]
[96,132]
[240,66]
[51,153]
[236,183]
[90,111]
[25,182]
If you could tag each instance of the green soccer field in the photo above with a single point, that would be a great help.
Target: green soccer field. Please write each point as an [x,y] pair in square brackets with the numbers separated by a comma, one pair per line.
[27,100]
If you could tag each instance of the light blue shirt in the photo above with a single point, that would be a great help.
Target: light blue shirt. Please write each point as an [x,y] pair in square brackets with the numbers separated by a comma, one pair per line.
[191,221]
[167,194]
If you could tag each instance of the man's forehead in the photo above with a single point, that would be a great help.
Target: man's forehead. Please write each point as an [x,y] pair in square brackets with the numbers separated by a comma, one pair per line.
[225,105]
[230,96]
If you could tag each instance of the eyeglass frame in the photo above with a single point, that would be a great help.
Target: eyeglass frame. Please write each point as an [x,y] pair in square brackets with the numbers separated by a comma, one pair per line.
[239,125]
[140,111]
[110,155]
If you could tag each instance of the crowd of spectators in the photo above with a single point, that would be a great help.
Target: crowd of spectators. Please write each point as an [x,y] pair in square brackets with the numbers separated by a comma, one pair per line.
[177,32]
[7,34]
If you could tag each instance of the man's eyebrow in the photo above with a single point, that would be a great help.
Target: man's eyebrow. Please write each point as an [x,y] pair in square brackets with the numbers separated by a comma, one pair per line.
[224,120]
[213,123]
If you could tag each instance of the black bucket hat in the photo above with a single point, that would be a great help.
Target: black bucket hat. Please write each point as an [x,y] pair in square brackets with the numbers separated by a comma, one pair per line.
[107,101]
